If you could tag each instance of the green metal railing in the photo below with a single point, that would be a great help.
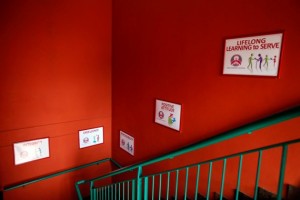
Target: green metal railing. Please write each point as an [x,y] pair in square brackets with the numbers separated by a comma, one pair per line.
[25,183]
[119,193]
[140,184]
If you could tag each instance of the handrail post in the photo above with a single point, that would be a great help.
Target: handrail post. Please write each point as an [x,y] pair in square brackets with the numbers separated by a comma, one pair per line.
[209,181]
[257,175]
[146,188]
[139,183]
[77,190]
[282,171]
[91,190]
[238,184]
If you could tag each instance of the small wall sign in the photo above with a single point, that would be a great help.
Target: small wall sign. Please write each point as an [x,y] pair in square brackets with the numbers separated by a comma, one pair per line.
[90,137]
[168,114]
[127,142]
[31,150]
[257,55]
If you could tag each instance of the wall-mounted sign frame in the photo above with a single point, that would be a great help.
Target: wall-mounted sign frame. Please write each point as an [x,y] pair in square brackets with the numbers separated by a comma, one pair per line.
[127,142]
[32,150]
[254,55]
[168,114]
[90,137]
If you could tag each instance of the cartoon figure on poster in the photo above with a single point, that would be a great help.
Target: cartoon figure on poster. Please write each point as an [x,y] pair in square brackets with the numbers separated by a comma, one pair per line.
[171,119]
[259,61]
[250,64]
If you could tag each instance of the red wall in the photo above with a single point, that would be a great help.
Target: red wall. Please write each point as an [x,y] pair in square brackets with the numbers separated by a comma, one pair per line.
[173,50]
[55,79]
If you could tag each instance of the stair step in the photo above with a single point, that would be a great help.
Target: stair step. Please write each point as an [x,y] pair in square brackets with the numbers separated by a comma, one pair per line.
[87,198]
[264,194]
[293,193]
[243,196]
[200,197]
[173,198]
[217,196]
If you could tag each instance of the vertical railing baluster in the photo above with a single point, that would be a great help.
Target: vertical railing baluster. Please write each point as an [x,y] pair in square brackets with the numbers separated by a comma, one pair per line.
[133,189]
[159,193]
[123,190]
[209,181]
[115,191]
[257,174]
[153,184]
[176,185]
[168,185]
[105,192]
[119,185]
[108,195]
[223,178]
[102,193]
[99,193]
[91,190]
[239,177]
[128,187]
[282,171]
[186,182]
[96,193]
[139,183]
[112,192]
[146,188]
[197,182]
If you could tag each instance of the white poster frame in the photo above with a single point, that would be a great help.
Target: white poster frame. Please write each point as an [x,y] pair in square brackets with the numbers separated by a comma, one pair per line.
[127,143]
[32,150]
[168,114]
[258,55]
[90,137]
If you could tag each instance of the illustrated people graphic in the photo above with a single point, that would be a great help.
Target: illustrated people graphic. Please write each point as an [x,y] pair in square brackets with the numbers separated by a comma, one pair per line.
[171,119]
[38,152]
[266,59]
[274,60]
[250,59]
[129,147]
[259,60]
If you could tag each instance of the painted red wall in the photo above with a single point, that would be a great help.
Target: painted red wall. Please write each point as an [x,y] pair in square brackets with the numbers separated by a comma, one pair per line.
[55,80]
[173,50]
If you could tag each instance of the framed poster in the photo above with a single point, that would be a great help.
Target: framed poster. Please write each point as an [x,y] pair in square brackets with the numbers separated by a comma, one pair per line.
[256,55]
[168,114]
[31,150]
[127,143]
[90,137]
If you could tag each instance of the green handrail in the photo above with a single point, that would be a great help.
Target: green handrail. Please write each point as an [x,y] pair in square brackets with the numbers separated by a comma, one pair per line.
[273,119]
[25,183]
[249,128]
[283,145]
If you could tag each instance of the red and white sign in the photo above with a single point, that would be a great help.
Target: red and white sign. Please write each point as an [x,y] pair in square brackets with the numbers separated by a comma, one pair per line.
[127,142]
[168,114]
[90,137]
[31,150]
[257,55]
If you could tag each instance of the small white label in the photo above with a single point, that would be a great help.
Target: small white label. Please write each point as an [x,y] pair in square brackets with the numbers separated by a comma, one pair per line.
[127,142]
[31,150]
[90,137]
